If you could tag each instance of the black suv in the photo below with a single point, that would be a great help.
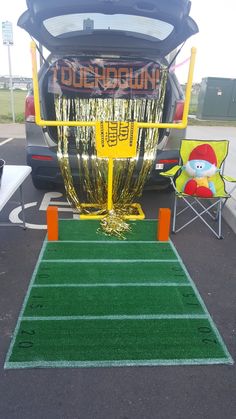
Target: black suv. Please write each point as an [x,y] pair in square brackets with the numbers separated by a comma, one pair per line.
[147,31]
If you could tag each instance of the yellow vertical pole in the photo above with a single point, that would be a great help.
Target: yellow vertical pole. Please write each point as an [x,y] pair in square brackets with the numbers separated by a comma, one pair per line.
[189,86]
[35,82]
[110,184]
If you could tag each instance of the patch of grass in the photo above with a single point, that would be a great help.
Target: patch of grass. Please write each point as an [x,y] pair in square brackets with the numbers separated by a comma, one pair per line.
[19,105]
[7,119]
[192,109]
[193,104]
[207,123]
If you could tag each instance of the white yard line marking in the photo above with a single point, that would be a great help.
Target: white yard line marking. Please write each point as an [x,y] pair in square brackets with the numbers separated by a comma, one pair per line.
[107,260]
[6,141]
[115,363]
[118,284]
[109,241]
[118,317]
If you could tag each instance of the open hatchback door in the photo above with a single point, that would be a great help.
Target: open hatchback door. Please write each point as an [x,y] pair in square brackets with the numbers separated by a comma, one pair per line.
[109,61]
[123,27]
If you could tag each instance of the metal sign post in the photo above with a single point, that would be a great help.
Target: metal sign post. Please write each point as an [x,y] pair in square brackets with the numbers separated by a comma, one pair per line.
[7,36]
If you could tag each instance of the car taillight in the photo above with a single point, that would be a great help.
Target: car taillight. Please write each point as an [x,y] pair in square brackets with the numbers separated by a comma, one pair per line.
[179,110]
[29,109]
[168,161]
[160,164]
[39,157]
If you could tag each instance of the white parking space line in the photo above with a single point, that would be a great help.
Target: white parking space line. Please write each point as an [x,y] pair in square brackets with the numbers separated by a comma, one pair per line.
[6,141]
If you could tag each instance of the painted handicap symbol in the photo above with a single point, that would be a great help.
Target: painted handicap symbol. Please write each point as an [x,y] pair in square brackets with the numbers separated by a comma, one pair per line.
[48,199]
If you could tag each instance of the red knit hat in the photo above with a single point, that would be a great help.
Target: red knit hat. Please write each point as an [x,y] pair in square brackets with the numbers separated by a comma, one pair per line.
[204,152]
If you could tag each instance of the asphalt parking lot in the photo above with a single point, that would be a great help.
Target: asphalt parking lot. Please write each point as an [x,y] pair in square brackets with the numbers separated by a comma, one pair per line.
[116,393]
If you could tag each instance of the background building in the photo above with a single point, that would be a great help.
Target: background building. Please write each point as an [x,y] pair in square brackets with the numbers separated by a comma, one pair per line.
[22,83]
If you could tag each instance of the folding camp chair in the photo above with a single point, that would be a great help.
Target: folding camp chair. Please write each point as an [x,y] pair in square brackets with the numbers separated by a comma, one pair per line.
[199,182]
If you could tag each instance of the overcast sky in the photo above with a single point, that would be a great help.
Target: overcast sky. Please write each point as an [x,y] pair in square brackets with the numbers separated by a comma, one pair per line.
[215,41]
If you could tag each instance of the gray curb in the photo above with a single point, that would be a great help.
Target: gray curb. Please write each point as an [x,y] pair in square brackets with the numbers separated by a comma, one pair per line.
[229,213]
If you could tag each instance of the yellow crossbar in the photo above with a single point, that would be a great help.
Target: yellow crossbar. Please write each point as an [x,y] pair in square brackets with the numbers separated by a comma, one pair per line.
[42,122]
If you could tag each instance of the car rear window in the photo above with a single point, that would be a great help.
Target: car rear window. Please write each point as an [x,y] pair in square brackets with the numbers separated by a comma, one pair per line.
[65,25]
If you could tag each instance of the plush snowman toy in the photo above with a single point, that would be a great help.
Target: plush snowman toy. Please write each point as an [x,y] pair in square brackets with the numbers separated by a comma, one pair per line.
[201,165]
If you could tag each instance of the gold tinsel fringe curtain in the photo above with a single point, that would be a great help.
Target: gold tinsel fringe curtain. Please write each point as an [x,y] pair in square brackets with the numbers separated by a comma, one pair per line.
[129,174]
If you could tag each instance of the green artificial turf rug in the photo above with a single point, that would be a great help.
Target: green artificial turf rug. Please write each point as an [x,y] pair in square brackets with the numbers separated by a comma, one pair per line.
[97,301]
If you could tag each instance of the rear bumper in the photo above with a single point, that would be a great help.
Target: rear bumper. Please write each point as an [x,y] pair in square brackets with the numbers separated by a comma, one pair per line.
[49,170]
[45,170]
[164,161]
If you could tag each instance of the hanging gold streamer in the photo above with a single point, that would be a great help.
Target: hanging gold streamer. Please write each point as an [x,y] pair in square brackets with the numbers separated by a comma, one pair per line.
[61,108]
[130,175]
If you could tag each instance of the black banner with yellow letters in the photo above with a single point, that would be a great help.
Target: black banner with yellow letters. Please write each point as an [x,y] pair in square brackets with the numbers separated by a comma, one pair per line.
[103,78]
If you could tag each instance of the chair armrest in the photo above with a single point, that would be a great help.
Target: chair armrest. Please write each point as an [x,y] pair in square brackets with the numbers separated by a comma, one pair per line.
[229,178]
[172,172]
